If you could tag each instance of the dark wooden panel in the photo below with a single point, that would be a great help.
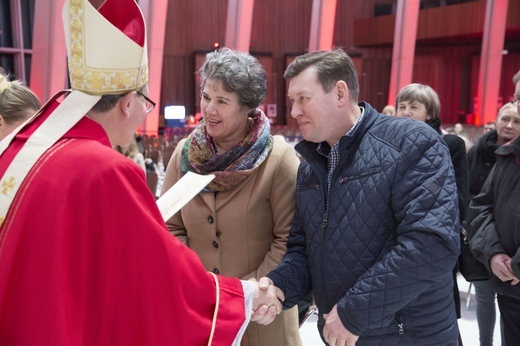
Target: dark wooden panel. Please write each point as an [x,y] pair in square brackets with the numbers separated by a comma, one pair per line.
[374,81]
[455,24]
[510,66]
[193,25]
[281,26]
[374,31]
[178,84]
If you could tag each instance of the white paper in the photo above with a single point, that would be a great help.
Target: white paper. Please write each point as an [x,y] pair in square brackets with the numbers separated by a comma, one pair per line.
[182,192]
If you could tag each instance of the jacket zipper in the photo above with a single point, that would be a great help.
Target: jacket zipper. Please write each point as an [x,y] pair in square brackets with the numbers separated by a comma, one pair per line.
[322,271]
[400,324]
[324,225]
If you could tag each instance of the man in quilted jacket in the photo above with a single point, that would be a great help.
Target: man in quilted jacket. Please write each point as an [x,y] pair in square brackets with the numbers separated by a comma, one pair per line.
[374,235]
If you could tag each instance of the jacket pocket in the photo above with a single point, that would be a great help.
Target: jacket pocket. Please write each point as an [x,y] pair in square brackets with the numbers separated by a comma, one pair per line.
[308,187]
[358,175]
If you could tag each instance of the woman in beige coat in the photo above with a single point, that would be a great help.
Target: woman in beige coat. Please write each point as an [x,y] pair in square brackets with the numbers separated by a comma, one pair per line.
[239,224]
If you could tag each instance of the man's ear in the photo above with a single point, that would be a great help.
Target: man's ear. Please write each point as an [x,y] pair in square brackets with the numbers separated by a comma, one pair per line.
[342,92]
[1,120]
[125,103]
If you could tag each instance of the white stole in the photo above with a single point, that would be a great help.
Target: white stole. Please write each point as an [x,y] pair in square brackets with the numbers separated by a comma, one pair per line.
[64,117]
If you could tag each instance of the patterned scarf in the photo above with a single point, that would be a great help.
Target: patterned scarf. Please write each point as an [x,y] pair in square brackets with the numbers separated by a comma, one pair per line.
[236,164]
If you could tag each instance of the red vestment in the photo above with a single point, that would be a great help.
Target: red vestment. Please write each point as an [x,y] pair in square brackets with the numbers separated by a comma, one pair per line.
[85,258]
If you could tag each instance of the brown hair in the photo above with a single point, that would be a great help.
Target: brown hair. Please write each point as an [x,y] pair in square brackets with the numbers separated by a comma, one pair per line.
[331,66]
[109,101]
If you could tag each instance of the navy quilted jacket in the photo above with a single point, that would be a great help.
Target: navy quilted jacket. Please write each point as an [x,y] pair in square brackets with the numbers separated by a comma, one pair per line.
[385,248]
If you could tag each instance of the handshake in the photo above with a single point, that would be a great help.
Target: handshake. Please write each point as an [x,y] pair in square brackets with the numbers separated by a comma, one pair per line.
[267,301]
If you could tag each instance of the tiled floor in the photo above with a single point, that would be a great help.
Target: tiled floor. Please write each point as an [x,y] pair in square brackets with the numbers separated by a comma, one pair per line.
[467,324]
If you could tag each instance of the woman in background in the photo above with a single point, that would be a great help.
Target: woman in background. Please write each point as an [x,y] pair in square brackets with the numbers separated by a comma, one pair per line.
[481,159]
[389,110]
[239,224]
[17,104]
[132,152]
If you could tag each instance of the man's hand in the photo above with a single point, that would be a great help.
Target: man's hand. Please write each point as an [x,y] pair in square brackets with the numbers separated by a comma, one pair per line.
[266,302]
[501,267]
[335,332]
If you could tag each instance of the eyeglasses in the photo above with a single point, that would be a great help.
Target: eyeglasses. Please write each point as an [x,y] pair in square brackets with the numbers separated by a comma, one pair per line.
[150,105]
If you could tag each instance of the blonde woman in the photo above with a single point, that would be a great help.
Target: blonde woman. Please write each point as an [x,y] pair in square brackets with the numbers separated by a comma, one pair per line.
[17,104]
[132,152]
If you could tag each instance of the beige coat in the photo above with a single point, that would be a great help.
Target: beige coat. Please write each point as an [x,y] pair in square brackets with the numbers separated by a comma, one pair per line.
[243,233]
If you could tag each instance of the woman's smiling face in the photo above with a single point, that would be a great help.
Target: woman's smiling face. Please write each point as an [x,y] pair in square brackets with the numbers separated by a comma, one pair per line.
[225,118]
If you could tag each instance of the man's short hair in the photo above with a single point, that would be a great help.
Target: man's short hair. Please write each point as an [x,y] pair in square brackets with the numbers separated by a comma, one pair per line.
[331,66]
[107,102]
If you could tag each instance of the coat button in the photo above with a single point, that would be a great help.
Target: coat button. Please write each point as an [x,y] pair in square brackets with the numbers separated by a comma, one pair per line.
[210,219]
[216,271]
[215,244]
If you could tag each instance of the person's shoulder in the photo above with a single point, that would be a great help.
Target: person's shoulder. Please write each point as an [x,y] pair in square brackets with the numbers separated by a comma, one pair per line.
[511,147]
[391,124]
[94,154]
[395,129]
[86,149]
[280,144]
[178,149]
[87,162]
[283,151]
[454,142]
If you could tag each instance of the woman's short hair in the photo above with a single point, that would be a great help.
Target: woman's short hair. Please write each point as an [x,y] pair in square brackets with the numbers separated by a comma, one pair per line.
[17,102]
[423,94]
[331,66]
[237,72]
[508,106]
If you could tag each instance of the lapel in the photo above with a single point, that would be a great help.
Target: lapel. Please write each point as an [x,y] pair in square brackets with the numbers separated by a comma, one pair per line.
[215,201]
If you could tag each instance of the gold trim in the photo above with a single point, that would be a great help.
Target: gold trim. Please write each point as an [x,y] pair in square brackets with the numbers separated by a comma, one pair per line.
[97,81]
[8,185]
[217,303]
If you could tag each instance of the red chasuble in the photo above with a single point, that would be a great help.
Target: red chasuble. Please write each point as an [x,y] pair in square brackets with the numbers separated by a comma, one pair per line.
[85,258]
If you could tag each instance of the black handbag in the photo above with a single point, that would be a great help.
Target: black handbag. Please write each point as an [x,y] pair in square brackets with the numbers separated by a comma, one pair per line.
[471,268]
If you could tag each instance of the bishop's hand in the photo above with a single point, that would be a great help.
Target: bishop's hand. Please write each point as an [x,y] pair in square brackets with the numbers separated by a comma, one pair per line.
[266,302]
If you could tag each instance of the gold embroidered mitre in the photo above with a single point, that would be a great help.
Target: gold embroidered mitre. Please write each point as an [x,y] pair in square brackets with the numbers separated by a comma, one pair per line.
[106,48]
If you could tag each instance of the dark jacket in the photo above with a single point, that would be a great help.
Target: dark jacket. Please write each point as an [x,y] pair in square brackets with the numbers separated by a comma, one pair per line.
[494,216]
[457,148]
[385,248]
[481,158]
